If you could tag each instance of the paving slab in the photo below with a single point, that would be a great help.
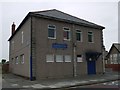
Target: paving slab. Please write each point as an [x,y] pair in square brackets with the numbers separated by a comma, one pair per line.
[13,81]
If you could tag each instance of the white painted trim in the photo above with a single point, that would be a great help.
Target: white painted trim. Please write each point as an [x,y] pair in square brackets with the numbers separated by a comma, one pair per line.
[69,34]
[54,32]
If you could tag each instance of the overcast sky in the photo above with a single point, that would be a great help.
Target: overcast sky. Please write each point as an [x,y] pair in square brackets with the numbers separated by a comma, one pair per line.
[102,13]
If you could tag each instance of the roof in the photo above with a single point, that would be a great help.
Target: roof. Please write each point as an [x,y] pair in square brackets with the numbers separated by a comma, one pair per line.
[60,16]
[64,16]
[116,45]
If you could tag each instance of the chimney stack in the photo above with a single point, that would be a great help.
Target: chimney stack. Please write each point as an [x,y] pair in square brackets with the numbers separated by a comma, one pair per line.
[13,28]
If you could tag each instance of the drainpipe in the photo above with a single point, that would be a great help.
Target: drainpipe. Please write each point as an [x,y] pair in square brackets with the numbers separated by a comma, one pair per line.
[74,54]
[103,60]
[31,73]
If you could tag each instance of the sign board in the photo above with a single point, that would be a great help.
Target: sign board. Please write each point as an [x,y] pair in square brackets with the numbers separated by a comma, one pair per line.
[59,46]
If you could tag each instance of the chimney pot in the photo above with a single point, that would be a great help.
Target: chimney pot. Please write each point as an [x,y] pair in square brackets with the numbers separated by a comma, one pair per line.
[13,28]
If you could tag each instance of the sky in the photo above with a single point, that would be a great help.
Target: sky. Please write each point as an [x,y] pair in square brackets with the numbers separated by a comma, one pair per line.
[101,12]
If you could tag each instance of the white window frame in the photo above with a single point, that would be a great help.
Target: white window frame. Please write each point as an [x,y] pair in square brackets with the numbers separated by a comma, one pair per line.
[22,59]
[22,35]
[54,31]
[80,59]
[80,32]
[64,30]
[66,57]
[48,57]
[16,60]
[60,56]
[91,35]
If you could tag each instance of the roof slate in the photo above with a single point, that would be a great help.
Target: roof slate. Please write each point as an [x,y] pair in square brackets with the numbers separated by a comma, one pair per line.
[64,16]
[117,45]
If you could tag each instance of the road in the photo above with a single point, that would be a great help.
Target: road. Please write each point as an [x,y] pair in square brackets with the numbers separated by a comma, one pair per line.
[111,84]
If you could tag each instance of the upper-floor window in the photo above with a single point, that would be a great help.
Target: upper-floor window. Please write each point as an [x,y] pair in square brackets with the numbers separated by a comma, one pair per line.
[90,36]
[22,37]
[78,35]
[51,31]
[66,33]
[12,45]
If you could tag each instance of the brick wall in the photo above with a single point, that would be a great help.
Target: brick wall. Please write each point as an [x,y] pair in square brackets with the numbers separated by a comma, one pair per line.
[5,68]
[115,67]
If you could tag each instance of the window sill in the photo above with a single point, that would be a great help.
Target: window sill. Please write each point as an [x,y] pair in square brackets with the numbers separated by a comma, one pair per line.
[51,38]
[66,39]
[90,42]
[80,41]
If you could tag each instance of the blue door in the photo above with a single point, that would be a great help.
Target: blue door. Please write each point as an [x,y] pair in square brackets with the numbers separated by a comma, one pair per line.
[91,66]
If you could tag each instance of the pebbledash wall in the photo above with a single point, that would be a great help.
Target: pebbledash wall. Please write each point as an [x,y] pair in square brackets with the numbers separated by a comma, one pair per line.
[45,46]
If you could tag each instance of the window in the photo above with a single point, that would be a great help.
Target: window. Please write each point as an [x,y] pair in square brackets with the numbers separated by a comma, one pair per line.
[22,58]
[12,61]
[22,37]
[67,58]
[119,58]
[52,32]
[12,45]
[111,59]
[16,60]
[115,58]
[79,58]
[78,35]
[59,58]
[49,58]
[90,37]
[66,34]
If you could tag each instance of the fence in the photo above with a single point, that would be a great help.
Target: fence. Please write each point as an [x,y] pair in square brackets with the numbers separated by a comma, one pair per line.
[5,68]
[115,67]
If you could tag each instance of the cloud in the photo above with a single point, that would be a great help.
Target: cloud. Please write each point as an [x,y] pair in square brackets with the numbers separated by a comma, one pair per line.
[104,13]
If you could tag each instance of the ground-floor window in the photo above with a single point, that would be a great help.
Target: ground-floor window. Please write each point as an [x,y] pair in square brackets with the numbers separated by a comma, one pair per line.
[115,58]
[16,60]
[50,58]
[12,60]
[79,58]
[118,58]
[67,58]
[59,58]
[22,59]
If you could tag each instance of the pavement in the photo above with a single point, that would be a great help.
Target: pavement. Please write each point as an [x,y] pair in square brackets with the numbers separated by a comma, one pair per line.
[13,81]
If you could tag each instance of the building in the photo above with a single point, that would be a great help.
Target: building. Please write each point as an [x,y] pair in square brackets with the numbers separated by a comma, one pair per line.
[113,57]
[53,44]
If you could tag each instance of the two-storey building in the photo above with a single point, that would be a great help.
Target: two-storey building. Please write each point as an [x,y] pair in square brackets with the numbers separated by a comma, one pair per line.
[53,44]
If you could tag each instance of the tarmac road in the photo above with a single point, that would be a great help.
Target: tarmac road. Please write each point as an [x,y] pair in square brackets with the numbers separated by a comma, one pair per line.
[110,84]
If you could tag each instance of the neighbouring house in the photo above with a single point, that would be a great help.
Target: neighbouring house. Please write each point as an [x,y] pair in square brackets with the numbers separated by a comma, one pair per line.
[113,57]
[53,44]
